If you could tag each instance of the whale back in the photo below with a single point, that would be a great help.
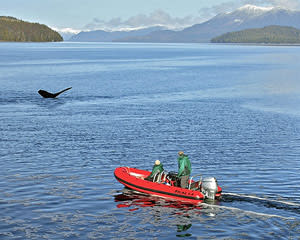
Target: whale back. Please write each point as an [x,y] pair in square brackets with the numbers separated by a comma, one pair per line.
[46,94]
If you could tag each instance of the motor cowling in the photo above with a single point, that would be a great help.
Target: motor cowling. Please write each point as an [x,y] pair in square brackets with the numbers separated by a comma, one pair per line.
[209,187]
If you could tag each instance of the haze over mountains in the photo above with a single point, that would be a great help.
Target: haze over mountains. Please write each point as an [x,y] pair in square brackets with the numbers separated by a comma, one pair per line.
[248,16]
[104,36]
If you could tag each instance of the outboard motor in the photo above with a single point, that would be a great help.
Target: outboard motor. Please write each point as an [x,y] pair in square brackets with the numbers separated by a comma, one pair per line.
[209,187]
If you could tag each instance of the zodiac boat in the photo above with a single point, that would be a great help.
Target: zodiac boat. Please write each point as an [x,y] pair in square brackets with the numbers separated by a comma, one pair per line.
[166,185]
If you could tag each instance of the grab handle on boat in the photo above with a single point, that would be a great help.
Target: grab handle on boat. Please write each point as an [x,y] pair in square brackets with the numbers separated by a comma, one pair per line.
[191,179]
[127,169]
[164,176]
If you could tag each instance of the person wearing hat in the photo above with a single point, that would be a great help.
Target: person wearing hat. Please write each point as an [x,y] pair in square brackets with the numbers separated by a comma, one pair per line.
[184,169]
[157,168]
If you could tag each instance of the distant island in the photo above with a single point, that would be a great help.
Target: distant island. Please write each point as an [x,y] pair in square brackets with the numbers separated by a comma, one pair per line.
[265,35]
[15,30]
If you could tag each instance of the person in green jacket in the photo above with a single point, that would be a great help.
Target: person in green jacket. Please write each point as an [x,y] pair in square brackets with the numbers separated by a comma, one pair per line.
[157,168]
[184,169]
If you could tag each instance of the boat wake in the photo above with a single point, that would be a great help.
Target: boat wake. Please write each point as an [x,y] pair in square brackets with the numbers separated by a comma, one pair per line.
[246,212]
[267,202]
[244,197]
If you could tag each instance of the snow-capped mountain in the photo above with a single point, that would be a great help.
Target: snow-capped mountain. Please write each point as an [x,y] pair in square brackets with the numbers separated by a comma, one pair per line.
[242,14]
[252,10]
[248,16]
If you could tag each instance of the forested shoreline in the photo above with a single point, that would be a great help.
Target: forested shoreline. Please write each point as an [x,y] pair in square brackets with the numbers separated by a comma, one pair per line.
[266,35]
[15,30]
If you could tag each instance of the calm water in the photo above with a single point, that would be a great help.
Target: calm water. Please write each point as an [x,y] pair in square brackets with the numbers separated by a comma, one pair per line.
[233,109]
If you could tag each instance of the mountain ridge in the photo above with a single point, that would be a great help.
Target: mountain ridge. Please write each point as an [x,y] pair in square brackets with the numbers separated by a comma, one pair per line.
[245,17]
[106,36]
[239,19]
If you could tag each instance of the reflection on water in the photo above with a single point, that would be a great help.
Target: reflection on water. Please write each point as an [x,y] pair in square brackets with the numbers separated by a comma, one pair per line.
[183,228]
[133,201]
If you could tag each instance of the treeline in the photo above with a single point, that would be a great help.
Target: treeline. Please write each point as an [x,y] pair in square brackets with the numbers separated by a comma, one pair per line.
[14,30]
[267,35]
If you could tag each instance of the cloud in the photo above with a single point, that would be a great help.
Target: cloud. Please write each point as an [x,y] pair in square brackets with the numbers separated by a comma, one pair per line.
[291,4]
[212,11]
[158,17]
[206,13]
[66,30]
[162,18]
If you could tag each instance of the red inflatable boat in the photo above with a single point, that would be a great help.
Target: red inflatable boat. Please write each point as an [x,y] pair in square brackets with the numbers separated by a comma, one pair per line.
[165,185]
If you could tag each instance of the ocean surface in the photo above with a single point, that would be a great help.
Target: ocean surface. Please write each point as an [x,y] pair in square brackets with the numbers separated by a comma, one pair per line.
[235,110]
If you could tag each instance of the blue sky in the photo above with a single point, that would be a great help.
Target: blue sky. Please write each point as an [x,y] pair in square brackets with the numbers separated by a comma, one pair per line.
[114,14]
